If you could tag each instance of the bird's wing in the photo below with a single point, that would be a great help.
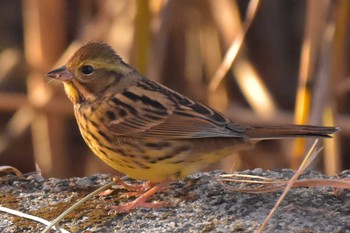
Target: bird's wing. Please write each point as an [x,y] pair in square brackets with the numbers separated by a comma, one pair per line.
[167,114]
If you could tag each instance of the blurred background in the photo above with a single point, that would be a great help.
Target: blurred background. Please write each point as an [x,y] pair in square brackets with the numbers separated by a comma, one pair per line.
[259,62]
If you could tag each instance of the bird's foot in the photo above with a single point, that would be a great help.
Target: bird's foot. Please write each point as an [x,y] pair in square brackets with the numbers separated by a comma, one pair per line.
[141,201]
[135,190]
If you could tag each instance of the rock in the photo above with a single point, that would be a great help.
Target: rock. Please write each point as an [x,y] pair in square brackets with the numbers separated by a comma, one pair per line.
[200,204]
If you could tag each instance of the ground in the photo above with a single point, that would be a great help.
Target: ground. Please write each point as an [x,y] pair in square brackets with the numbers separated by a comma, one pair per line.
[199,204]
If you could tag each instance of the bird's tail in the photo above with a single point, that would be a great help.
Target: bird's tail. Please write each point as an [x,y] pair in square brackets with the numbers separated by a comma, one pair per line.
[275,132]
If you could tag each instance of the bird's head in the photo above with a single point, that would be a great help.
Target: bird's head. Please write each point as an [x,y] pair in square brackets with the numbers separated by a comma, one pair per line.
[91,71]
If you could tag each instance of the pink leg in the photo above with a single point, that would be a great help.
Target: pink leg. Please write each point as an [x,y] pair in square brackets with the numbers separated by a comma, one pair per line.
[141,201]
[134,189]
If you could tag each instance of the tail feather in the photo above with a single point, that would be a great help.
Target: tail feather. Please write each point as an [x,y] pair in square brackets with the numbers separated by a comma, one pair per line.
[275,132]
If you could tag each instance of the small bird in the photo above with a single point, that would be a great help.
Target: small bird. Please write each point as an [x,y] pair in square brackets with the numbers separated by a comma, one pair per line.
[148,131]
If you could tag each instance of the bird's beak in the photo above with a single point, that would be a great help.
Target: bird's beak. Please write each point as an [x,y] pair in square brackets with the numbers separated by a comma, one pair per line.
[62,74]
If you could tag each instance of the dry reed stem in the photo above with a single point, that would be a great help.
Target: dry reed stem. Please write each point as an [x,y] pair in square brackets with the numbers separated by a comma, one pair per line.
[232,52]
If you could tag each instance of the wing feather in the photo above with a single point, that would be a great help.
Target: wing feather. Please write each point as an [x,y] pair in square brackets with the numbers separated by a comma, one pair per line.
[157,111]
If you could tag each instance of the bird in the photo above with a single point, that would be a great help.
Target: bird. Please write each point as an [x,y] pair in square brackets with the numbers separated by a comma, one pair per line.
[148,131]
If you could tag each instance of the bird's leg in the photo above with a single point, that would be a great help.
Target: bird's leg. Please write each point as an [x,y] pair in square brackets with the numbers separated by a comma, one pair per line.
[141,201]
[135,190]
[130,187]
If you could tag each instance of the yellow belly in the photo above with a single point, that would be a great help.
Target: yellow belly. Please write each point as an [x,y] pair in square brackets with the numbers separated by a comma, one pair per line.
[176,159]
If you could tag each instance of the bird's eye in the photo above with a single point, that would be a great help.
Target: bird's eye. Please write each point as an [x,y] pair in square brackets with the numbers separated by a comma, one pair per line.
[87,70]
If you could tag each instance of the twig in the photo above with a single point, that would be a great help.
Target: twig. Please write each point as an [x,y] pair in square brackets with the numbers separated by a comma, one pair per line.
[30,217]
[313,152]
[8,169]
